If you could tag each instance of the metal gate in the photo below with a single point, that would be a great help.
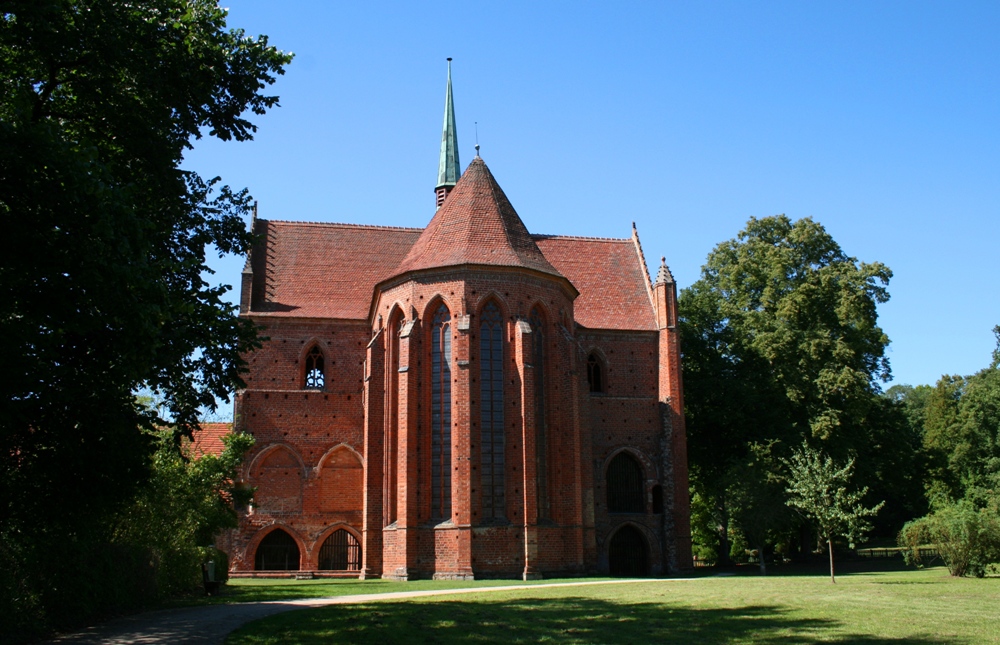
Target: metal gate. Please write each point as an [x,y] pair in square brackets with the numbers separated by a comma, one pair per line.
[627,553]
[277,552]
[340,552]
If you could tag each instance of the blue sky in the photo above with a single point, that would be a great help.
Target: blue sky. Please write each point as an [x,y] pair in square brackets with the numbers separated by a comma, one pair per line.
[881,120]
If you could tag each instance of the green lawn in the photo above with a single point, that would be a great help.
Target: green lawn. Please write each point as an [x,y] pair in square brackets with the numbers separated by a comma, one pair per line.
[924,606]
[258,589]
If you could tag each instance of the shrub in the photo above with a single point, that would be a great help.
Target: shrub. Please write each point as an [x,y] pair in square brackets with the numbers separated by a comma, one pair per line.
[966,537]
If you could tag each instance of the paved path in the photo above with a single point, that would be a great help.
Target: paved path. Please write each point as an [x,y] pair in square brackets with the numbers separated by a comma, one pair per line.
[211,624]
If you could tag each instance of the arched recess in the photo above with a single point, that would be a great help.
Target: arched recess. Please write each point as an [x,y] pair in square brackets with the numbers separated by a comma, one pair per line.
[339,550]
[625,484]
[315,366]
[538,320]
[491,412]
[439,344]
[390,466]
[278,473]
[597,371]
[277,550]
[341,477]
[628,552]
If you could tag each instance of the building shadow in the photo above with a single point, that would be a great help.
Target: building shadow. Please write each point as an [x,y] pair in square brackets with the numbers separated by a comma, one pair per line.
[553,620]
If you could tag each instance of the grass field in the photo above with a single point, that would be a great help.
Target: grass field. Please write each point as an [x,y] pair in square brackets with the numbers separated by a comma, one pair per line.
[924,606]
[264,589]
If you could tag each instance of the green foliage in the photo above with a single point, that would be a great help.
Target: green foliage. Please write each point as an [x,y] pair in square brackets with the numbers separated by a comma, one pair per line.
[818,488]
[103,289]
[962,439]
[150,549]
[781,344]
[102,286]
[966,537]
[758,500]
[186,502]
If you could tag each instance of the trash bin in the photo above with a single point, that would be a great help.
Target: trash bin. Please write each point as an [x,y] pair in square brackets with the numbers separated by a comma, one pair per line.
[208,578]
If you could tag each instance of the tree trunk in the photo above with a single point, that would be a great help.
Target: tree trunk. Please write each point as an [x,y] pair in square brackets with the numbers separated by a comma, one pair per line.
[829,543]
[723,531]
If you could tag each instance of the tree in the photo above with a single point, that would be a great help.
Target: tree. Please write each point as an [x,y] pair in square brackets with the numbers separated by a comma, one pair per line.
[961,435]
[103,287]
[819,489]
[178,512]
[965,534]
[758,499]
[781,343]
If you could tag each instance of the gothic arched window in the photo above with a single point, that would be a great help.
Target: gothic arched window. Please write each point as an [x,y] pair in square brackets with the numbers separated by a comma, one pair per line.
[441,414]
[626,493]
[537,322]
[391,454]
[315,378]
[595,373]
[491,411]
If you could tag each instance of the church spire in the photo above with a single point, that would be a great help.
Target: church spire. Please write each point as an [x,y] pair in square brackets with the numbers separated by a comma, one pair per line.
[448,166]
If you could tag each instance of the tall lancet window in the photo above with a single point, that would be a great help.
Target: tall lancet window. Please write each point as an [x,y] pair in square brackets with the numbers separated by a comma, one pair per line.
[391,454]
[441,414]
[537,322]
[491,411]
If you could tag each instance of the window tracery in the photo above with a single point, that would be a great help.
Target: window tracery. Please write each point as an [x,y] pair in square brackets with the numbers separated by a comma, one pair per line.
[491,412]
[441,414]
[537,322]
[315,376]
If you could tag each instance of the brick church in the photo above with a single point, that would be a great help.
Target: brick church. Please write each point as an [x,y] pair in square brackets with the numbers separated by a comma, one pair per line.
[465,400]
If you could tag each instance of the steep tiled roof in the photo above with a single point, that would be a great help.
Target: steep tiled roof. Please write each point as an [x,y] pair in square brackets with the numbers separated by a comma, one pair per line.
[323,270]
[330,271]
[609,276]
[208,440]
[475,225]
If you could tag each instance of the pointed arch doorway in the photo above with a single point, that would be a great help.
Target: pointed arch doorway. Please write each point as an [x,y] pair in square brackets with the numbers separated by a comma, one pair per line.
[628,553]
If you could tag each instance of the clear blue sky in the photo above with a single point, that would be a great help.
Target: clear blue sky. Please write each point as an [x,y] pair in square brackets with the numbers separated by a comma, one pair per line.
[879,120]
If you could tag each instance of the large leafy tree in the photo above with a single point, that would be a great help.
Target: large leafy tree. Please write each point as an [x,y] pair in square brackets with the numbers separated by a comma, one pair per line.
[103,285]
[781,343]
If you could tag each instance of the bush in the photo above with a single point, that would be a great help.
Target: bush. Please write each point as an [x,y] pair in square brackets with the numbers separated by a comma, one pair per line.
[966,537]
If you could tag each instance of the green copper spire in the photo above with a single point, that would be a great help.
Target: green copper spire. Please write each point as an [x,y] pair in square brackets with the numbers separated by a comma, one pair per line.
[448,167]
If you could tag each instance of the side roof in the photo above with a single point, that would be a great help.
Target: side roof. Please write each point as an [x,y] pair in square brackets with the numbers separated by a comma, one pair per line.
[316,270]
[320,270]
[610,277]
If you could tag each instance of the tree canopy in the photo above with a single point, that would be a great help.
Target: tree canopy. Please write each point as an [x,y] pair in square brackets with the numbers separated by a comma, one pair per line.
[104,284]
[781,344]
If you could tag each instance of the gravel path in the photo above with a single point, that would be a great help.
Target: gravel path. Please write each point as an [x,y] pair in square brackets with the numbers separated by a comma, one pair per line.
[212,623]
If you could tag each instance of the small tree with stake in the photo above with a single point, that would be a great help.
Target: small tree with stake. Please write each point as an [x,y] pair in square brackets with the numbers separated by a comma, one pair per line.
[818,488]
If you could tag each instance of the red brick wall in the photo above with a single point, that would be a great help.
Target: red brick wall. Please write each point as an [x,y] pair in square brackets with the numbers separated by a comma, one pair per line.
[332,441]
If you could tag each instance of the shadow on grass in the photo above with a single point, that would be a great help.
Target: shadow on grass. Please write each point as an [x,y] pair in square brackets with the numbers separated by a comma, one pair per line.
[557,620]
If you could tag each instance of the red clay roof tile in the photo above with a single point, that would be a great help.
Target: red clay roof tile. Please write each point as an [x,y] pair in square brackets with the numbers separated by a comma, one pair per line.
[208,439]
[610,278]
[476,225]
[323,270]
